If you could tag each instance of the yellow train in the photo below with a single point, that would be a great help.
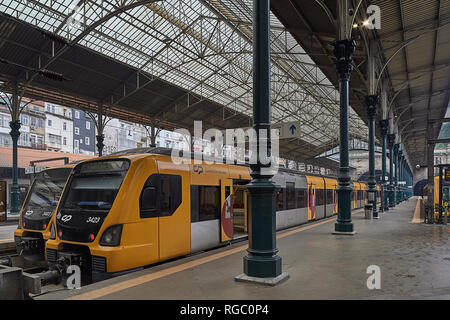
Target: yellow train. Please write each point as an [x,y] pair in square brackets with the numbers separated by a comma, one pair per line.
[132,209]
[37,209]
[435,195]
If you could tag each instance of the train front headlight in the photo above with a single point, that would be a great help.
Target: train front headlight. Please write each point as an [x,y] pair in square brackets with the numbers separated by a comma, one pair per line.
[52,232]
[111,236]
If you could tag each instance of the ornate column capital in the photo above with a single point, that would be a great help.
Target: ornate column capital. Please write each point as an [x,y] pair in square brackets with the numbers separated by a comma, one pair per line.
[15,129]
[343,51]
[371,102]
[100,139]
[384,124]
[391,139]
[396,146]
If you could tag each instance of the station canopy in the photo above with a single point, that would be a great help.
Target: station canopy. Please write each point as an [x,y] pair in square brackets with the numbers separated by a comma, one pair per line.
[170,61]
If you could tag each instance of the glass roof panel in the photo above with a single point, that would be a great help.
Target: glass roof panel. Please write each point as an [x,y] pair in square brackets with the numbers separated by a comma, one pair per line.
[204,46]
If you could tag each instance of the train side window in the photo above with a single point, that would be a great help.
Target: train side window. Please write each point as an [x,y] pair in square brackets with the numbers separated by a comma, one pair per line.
[194,203]
[290,195]
[161,196]
[329,196]
[301,198]
[280,199]
[148,199]
[209,203]
[320,197]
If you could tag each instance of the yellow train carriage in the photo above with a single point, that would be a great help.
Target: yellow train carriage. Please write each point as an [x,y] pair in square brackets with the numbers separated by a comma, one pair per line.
[37,209]
[127,211]
[331,196]
[315,196]
[445,197]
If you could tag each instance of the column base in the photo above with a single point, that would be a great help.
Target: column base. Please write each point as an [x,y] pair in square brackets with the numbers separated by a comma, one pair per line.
[272,281]
[343,228]
[352,233]
[262,266]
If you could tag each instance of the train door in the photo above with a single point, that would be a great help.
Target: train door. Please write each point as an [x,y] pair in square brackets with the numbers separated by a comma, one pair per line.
[312,201]
[335,201]
[226,216]
[239,212]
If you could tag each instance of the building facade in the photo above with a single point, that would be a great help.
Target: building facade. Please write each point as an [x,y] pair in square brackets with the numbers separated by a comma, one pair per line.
[58,128]
[84,133]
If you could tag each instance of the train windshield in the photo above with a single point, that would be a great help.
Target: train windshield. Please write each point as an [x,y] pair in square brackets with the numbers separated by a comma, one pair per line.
[45,192]
[94,185]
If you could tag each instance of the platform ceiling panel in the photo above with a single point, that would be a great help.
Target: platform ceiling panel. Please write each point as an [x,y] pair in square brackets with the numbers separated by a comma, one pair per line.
[418,75]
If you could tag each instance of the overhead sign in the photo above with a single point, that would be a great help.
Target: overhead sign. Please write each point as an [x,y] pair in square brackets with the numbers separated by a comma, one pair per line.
[447,174]
[36,169]
[288,130]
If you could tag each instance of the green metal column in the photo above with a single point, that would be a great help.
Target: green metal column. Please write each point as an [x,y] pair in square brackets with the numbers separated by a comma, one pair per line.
[391,141]
[404,177]
[15,134]
[100,127]
[371,104]
[261,260]
[384,128]
[343,50]
[396,148]
[400,188]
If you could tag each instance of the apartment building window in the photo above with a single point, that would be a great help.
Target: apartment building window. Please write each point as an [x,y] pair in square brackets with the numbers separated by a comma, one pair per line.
[40,140]
[64,126]
[65,141]
[33,122]
[77,130]
[77,144]
[40,123]
[6,120]
[25,120]
[86,141]
[77,114]
[54,139]
[88,125]
[49,122]
[24,139]
[35,108]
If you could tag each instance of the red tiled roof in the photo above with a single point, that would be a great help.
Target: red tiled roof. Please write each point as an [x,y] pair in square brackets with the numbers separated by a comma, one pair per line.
[26,155]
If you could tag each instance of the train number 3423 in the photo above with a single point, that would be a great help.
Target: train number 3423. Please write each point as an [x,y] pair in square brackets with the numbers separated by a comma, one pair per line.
[93,220]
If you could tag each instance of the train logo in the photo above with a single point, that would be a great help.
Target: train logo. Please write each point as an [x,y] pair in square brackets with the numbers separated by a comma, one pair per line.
[198,169]
[66,217]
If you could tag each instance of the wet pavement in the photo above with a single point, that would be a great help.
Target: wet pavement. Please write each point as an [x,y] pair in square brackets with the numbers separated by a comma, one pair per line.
[413,259]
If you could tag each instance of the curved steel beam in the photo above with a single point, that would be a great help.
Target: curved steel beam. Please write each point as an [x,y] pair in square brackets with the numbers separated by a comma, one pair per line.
[403,45]
[327,11]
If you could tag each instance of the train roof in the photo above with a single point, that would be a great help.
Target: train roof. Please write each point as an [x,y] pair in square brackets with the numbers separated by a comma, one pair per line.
[187,154]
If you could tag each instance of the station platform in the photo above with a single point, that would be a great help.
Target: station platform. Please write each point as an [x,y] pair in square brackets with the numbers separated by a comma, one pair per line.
[414,260]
